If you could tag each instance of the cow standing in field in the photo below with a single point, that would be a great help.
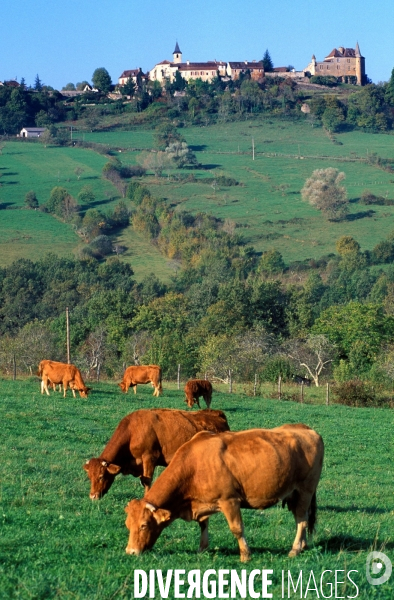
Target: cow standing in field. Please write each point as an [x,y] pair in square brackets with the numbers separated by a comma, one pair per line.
[142,374]
[145,439]
[57,373]
[226,472]
[194,389]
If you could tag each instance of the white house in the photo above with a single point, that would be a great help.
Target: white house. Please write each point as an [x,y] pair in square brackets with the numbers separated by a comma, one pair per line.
[32,132]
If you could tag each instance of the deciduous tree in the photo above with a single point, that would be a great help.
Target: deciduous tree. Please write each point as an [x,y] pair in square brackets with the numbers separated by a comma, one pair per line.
[102,80]
[324,191]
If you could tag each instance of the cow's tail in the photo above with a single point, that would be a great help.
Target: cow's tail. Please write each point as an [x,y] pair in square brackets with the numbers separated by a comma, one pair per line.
[39,372]
[160,387]
[312,515]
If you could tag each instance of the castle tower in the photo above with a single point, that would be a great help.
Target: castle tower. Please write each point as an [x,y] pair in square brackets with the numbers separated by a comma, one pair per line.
[313,65]
[177,54]
[360,65]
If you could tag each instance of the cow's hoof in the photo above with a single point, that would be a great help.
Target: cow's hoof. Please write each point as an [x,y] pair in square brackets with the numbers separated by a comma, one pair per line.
[245,557]
[294,553]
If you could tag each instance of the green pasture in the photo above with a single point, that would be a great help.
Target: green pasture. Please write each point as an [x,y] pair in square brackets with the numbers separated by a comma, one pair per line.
[56,543]
[266,206]
[30,233]
[286,152]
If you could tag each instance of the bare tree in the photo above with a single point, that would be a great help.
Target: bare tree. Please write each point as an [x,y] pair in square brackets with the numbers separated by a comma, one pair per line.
[313,354]
[156,162]
[323,190]
[136,346]
[78,172]
[251,351]
[94,350]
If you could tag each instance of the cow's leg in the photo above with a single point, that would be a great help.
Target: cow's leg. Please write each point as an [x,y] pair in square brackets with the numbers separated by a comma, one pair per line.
[299,543]
[207,399]
[232,512]
[300,512]
[64,388]
[134,387]
[197,399]
[148,468]
[44,385]
[73,391]
[204,539]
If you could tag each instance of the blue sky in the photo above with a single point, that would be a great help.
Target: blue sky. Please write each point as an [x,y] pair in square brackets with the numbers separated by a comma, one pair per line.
[65,41]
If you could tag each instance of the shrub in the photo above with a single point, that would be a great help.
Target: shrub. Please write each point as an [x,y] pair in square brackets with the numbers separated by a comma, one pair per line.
[31,200]
[101,246]
[368,198]
[277,366]
[383,252]
[322,80]
[356,393]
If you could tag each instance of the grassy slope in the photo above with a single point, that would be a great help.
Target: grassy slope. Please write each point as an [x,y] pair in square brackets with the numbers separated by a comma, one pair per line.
[31,234]
[286,153]
[56,543]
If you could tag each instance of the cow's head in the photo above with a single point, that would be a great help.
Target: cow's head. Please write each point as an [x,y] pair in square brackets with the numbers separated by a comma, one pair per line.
[145,523]
[189,400]
[101,475]
[83,392]
[122,386]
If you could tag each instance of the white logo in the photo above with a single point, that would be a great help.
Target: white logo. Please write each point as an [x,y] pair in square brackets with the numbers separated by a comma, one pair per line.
[376,561]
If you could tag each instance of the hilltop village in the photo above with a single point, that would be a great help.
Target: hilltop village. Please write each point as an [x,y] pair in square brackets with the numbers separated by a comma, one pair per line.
[346,64]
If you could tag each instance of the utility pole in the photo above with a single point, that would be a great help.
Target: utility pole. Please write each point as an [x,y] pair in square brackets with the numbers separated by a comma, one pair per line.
[68,335]
[253,148]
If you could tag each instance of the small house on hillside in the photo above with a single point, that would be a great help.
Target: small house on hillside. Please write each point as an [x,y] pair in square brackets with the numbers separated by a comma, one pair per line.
[32,132]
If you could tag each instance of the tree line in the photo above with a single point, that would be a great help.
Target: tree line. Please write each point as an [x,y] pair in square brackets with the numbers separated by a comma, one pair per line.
[369,108]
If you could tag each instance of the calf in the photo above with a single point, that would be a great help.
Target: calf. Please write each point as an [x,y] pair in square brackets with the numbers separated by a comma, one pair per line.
[194,389]
[229,471]
[145,439]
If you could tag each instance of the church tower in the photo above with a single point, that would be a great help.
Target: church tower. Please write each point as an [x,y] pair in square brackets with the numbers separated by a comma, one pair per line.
[177,54]
[360,65]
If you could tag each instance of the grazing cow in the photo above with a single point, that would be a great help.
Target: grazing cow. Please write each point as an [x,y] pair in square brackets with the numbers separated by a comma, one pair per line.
[229,471]
[301,380]
[194,389]
[142,374]
[57,373]
[145,439]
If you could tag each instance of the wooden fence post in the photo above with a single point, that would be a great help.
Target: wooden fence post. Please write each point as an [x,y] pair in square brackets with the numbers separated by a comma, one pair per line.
[328,394]
[68,335]
[13,367]
[280,388]
[302,392]
[230,382]
[255,384]
[179,376]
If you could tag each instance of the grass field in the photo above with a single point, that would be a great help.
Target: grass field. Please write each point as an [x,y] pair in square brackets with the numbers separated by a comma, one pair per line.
[56,543]
[286,152]
[267,206]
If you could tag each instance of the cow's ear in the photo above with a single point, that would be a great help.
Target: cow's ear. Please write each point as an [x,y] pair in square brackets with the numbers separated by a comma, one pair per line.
[86,466]
[161,515]
[113,469]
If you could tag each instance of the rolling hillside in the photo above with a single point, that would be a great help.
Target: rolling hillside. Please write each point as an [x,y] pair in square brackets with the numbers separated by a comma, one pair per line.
[266,207]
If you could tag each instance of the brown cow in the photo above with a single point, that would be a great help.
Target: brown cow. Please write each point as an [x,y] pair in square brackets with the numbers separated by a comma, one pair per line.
[142,374]
[55,373]
[147,438]
[194,389]
[229,471]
